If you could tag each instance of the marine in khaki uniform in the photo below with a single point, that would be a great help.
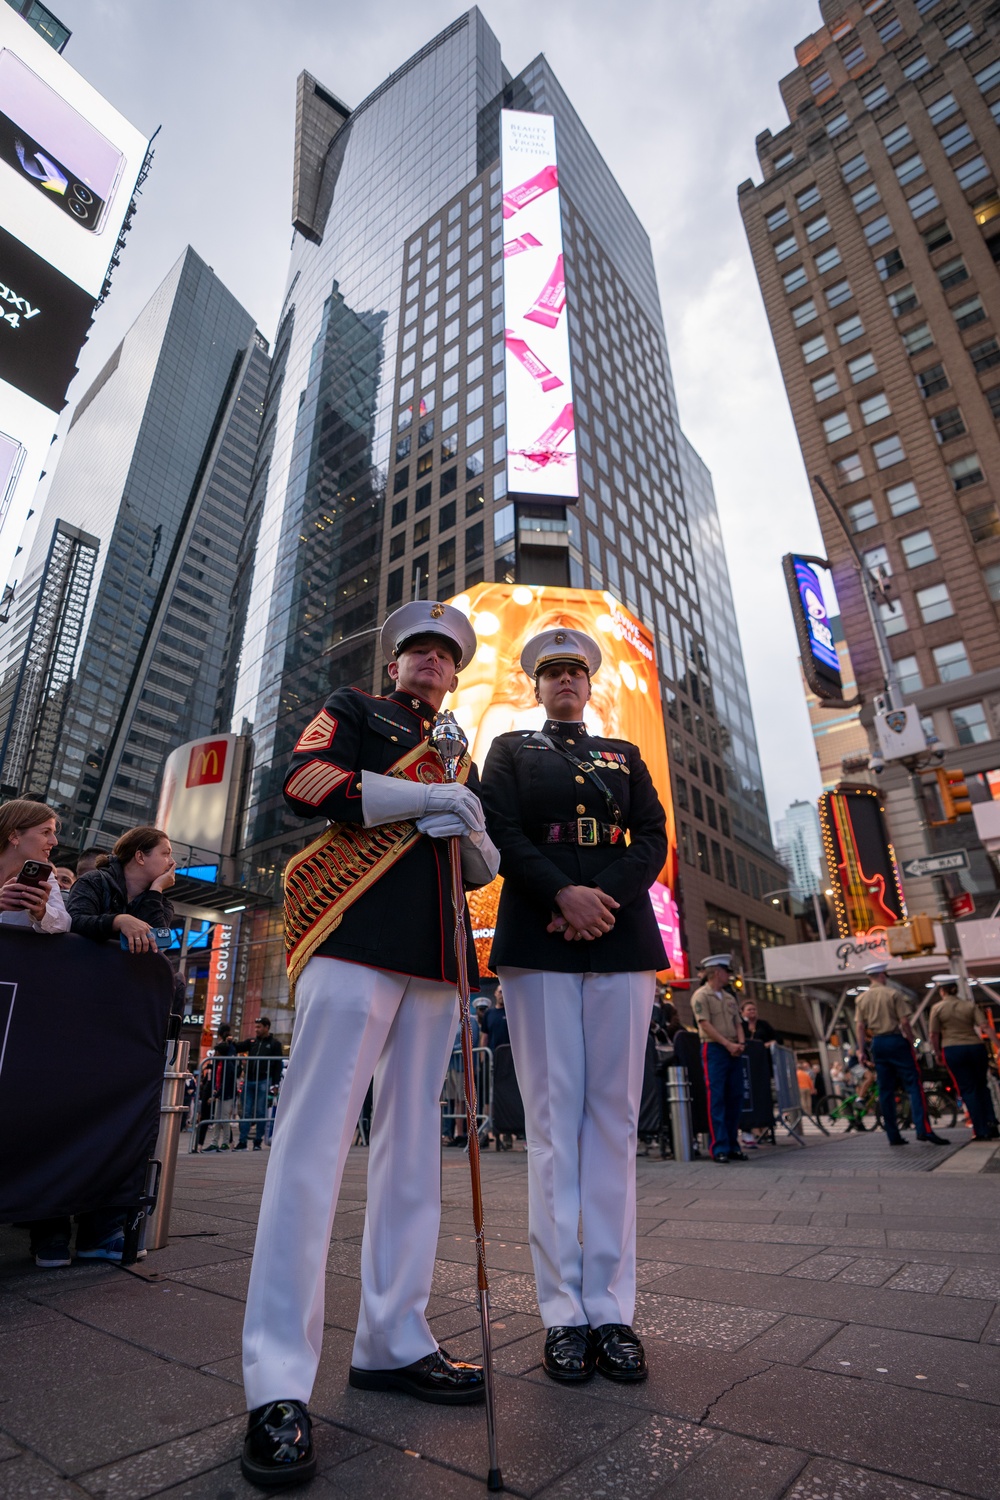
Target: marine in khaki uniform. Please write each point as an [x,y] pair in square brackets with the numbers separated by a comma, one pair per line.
[720,1027]
[883,1017]
[955,1028]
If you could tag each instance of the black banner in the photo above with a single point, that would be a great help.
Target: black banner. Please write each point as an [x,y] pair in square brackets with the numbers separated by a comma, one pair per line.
[44,318]
[82,1034]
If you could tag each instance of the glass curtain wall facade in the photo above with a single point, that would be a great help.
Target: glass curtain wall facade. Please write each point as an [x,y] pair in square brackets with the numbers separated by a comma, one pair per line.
[384,437]
[156,463]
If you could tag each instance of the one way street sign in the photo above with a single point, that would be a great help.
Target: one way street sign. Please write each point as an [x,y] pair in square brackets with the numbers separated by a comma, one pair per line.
[936,864]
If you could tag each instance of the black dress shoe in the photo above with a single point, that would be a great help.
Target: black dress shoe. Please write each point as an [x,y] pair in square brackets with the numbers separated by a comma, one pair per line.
[723,1156]
[436,1378]
[900,1142]
[568,1355]
[738,1156]
[933,1140]
[278,1448]
[618,1352]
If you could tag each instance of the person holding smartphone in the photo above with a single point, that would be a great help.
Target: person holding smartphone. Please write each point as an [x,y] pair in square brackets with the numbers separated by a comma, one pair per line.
[29,893]
[124,896]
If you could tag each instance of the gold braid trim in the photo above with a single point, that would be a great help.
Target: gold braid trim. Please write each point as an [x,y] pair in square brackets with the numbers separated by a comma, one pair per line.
[346,860]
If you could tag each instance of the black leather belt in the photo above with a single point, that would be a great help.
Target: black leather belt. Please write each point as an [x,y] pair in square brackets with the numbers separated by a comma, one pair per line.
[585,831]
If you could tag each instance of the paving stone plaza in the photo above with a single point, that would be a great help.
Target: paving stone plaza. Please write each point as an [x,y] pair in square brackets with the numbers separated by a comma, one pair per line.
[821,1324]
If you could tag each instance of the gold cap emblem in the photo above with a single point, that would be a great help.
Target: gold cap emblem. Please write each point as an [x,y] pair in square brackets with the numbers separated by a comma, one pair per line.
[437,610]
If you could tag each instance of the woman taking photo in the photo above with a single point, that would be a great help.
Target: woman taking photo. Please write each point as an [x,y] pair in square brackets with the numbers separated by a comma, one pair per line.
[29,831]
[577,948]
[124,895]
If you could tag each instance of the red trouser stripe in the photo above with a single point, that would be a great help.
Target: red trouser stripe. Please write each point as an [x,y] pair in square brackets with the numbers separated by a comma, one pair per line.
[920,1091]
[708,1090]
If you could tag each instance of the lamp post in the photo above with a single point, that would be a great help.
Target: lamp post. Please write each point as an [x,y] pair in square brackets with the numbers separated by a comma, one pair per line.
[791,890]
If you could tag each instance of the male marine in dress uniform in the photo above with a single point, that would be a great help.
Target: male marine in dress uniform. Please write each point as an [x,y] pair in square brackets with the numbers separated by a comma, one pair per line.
[884,1016]
[720,1027]
[577,948]
[955,1028]
[368,929]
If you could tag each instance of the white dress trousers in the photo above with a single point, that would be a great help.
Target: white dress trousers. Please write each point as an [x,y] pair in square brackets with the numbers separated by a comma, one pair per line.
[579,1044]
[351,1021]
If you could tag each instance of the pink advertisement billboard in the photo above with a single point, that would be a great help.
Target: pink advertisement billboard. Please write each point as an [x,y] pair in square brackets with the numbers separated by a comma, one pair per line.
[541,436]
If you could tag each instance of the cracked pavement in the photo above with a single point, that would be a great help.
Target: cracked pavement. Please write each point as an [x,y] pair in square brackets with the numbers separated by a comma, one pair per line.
[821,1324]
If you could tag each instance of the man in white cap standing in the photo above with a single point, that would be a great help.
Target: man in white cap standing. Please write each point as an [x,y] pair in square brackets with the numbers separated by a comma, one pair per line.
[577,948]
[720,1027]
[883,1016]
[368,929]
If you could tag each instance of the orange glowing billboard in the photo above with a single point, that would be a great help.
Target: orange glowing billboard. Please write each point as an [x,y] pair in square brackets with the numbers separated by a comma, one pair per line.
[494,696]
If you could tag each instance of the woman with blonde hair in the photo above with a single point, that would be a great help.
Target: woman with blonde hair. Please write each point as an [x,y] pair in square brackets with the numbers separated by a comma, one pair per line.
[29,831]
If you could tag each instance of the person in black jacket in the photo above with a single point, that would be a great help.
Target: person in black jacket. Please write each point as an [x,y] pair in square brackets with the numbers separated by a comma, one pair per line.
[124,895]
[261,1072]
[577,948]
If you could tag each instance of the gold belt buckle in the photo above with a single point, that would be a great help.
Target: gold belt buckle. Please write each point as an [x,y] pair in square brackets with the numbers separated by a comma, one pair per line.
[586,831]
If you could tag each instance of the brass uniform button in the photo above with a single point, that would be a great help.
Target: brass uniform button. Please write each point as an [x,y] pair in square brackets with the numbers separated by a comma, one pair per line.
[571,742]
[427,724]
[581,780]
[580,807]
[394,738]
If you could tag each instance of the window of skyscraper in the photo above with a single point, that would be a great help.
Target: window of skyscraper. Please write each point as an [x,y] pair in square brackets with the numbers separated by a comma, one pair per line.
[828,259]
[923,202]
[890,29]
[876,560]
[952,661]
[908,674]
[961,36]
[794,279]
[989,76]
[972,171]
[970,724]
[893,617]
[948,424]
[837,123]
[903,300]
[969,312]
[816,228]
[897,139]
[890,264]
[808,198]
[942,109]
[985,355]
[956,140]
[866,197]
[819,81]
[876,96]
[854,167]
[814,349]
[888,451]
[952,273]
[918,66]
[838,293]
[917,338]
[875,408]
[966,471]
[877,229]
[850,329]
[983,522]
[862,367]
[910,169]
[837,426]
[932,380]
[784,160]
[849,470]
[825,386]
[991,577]
[918,548]
[804,313]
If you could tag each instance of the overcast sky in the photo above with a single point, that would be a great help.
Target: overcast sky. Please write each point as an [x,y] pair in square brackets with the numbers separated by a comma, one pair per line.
[673,93]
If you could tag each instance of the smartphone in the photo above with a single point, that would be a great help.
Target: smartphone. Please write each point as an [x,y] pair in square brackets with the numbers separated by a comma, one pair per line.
[162,936]
[34,872]
[51,145]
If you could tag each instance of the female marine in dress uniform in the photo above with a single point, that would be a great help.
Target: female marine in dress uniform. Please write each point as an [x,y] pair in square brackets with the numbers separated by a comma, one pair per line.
[577,948]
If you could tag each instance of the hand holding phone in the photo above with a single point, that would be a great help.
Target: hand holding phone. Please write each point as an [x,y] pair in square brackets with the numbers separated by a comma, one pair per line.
[28,890]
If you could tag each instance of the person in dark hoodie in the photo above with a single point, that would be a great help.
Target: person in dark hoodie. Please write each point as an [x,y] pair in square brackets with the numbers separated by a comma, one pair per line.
[124,896]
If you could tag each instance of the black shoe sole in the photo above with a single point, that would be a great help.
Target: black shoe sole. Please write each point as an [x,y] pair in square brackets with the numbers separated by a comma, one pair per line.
[276,1479]
[394,1380]
[624,1377]
[568,1377]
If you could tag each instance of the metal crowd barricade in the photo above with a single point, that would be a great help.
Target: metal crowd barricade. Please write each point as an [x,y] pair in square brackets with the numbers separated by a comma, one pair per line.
[453,1091]
[247,1115]
[788,1101]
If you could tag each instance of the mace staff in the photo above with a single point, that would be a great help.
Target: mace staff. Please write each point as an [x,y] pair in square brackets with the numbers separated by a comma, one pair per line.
[450,744]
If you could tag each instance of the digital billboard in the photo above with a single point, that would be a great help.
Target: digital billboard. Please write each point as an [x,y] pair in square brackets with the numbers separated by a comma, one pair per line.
[494,696]
[541,436]
[68,159]
[861,860]
[817,647]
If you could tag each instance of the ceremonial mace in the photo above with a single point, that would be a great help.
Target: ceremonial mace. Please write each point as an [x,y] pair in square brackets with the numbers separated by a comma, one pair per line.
[450,744]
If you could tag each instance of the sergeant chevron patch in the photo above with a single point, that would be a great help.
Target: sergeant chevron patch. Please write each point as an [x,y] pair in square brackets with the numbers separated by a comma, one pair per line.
[318,733]
[314,781]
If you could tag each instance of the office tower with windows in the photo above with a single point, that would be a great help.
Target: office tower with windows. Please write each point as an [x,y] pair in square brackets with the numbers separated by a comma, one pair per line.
[800,845]
[156,463]
[875,233]
[382,471]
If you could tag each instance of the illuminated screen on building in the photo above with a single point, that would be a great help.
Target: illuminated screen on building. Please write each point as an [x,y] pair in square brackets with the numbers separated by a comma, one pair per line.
[817,647]
[494,696]
[861,860]
[541,437]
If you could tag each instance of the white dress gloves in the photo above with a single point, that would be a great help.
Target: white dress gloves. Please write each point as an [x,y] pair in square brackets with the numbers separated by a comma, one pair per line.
[441,810]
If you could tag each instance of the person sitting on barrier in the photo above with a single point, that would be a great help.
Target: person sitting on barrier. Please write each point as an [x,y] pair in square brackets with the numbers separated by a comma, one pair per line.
[29,831]
[124,895]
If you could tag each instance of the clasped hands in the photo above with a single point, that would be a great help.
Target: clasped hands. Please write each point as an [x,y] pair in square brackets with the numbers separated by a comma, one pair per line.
[585,912]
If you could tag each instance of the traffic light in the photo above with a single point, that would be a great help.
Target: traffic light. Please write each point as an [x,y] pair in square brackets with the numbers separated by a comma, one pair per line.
[955,801]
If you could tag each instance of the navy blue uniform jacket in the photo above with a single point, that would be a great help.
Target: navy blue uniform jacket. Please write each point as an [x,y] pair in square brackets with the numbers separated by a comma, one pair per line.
[404,921]
[525,785]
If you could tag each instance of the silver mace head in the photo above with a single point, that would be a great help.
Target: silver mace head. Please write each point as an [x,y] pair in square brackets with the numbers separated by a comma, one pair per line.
[447,739]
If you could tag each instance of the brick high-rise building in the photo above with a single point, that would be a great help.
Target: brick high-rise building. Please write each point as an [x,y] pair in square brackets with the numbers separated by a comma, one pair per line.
[875,234]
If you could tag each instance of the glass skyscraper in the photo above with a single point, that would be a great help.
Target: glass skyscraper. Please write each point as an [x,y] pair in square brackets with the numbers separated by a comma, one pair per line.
[381,474]
[156,464]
